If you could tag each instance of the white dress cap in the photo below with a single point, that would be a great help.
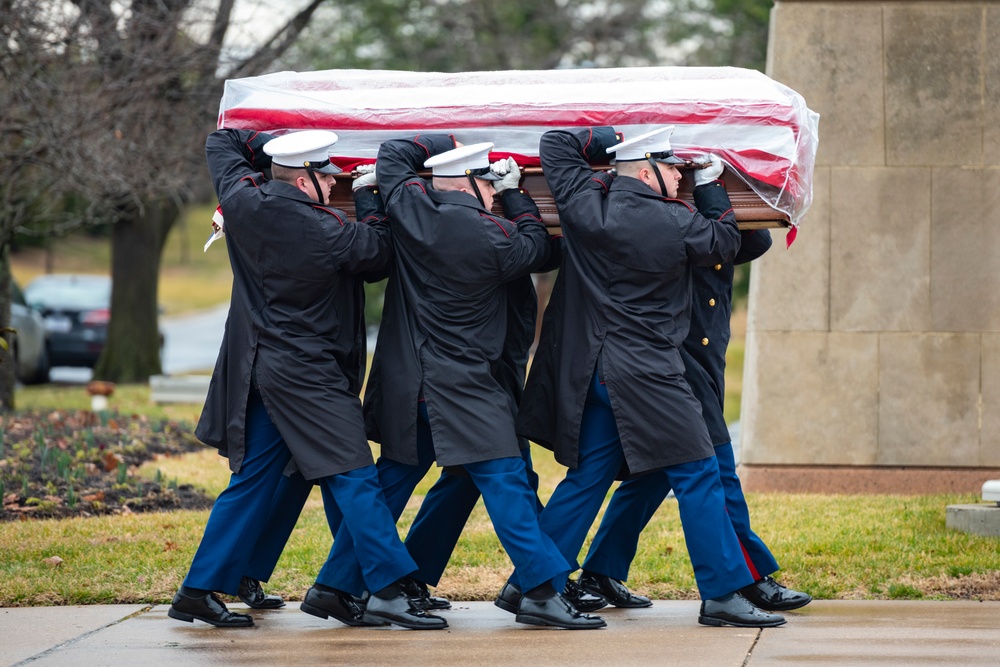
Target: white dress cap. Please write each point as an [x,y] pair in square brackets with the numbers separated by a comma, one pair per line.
[654,144]
[471,160]
[309,148]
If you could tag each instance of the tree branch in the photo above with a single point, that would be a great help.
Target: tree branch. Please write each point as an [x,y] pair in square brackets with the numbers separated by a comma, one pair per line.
[278,44]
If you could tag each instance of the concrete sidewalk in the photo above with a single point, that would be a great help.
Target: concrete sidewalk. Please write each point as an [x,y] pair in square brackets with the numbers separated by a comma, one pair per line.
[825,632]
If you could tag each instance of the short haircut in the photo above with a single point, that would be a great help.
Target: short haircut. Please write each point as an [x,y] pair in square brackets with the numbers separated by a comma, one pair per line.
[456,183]
[286,174]
[632,167]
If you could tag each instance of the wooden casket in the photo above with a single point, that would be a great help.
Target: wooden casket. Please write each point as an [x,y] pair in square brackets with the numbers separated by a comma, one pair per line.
[762,130]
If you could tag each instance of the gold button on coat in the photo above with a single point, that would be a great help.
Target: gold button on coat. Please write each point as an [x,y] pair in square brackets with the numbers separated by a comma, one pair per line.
[704,341]
[718,266]
[711,302]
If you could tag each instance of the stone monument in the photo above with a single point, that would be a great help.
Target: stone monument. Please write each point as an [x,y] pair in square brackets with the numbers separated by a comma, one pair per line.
[873,343]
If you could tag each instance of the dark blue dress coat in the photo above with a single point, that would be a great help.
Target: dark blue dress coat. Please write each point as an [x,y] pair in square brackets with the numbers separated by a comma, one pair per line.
[296,317]
[622,300]
[704,349]
[445,314]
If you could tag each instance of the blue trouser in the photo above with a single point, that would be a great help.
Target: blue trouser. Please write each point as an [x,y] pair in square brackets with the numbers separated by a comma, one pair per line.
[432,537]
[636,500]
[286,506]
[510,503]
[715,552]
[240,513]
[442,516]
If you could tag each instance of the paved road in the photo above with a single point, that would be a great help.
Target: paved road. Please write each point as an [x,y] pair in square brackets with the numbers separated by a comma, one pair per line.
[190,344]
[835,632]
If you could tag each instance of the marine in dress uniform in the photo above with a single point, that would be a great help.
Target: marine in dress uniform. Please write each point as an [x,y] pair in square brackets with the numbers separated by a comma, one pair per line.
[449,503]
[636,500]
[293,490]
[446,508]
[283,396]
[606,390]
[433,393]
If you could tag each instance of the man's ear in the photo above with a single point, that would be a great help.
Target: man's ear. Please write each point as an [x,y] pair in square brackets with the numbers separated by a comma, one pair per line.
[645,175]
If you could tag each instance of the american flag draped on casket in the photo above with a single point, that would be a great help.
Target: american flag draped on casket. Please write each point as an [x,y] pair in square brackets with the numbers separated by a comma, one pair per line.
[762,129]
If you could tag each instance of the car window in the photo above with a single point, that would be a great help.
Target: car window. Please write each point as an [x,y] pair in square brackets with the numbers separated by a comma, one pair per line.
[75,292]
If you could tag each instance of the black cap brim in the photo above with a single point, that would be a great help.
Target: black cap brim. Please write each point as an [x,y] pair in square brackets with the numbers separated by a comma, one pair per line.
[673,159]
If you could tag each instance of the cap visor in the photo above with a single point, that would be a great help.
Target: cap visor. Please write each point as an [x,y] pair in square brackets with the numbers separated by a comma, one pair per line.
[330,169]
[673,159]
[490,176]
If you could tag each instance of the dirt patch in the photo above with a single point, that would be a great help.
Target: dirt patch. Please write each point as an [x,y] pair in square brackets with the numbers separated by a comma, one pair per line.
[81,463]
[973,586]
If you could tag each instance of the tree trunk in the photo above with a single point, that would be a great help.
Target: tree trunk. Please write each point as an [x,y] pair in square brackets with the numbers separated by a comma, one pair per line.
[7,361]
[132,353]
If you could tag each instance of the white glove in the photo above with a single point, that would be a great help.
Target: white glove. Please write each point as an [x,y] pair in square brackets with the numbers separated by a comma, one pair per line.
[366,176]
[217,227]
[511,174]
[709,173]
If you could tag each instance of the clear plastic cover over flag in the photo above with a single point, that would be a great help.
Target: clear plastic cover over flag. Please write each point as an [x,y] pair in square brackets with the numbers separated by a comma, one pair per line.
[759,127]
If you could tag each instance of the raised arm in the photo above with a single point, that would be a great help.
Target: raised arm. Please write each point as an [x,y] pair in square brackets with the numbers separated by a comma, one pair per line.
[399,160]
[753,244]
[566,158]
[712,236]
[524,251]
[371,211]
[236,159]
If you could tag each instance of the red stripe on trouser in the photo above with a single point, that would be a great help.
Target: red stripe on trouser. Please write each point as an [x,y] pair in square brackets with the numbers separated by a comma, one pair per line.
[750,566]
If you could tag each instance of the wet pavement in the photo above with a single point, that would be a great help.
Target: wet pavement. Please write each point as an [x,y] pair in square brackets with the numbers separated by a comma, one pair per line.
[836,632]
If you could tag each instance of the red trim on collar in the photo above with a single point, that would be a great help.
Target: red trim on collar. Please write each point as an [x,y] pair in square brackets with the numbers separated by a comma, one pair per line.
[679,201]
[495,222]
[325,209]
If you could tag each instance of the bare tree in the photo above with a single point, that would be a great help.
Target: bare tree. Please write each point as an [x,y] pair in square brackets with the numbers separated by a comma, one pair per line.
[110,101]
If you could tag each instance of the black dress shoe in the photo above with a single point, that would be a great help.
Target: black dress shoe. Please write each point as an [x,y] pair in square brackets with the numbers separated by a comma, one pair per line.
[347,609]
[208,608]
[737,610]
[557,612]
[612,590]
[421,596]
[253,595]
[402,611]
[509,598]
[582,599]
[770,595]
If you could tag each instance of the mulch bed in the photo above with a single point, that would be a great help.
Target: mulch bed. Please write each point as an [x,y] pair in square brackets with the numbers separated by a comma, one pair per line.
[80,463]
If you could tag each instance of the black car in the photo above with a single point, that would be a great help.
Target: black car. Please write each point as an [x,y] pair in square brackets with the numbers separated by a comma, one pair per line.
[76,309]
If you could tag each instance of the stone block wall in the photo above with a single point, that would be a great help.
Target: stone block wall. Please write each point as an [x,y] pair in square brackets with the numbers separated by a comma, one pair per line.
[873,343]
